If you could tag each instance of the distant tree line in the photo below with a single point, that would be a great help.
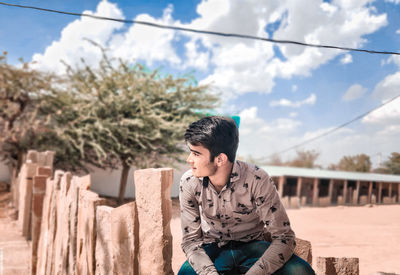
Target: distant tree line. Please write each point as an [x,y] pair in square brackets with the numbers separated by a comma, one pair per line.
[118,114]
[356,163]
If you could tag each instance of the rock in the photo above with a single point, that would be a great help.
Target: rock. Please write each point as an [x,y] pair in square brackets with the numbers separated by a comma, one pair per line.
[304,250]
[337,266]
[38,194]
[86,234]
[153,188]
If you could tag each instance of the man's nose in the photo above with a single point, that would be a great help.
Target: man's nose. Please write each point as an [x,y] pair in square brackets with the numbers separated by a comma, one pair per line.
[189,159]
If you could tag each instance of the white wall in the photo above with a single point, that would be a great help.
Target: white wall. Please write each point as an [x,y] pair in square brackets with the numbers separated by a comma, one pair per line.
[5,173]
[106,182]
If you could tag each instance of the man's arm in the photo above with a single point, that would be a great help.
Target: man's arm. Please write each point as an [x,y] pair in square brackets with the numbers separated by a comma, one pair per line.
[191,230]
[273,214]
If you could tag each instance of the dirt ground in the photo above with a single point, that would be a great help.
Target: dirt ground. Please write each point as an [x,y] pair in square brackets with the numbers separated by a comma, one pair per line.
[370,233]
[14,249]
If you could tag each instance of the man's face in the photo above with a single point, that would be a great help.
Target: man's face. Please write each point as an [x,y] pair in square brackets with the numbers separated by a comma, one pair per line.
[199,160]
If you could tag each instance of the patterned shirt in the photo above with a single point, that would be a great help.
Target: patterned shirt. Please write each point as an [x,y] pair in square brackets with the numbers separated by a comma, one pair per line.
[247,206]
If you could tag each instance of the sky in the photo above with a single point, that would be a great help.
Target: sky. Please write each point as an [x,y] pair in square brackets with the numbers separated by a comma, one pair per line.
[284,94]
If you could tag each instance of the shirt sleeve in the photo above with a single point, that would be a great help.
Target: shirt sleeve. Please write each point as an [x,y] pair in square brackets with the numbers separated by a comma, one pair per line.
[273,214]
[191,231]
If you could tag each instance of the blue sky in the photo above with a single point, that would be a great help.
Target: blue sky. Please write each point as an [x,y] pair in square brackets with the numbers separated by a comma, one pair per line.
[284,94]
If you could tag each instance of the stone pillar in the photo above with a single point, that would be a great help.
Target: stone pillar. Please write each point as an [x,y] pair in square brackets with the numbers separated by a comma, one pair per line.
[337,266]
[390,190]
[61,240]
[370,191]
[38,193]
[25,198]
[330,190]
[117,240]
[86,231]
[356,193]
[153,199]
[298,190]
[303,249]
[379,193]
[344,191]
[280,186]
[315,192]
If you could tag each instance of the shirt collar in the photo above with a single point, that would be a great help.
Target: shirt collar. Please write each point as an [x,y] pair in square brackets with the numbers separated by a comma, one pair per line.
[235,176]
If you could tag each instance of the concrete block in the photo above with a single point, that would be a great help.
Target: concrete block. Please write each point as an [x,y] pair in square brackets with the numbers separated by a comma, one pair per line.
[303,249]
[154,212]
[337,266]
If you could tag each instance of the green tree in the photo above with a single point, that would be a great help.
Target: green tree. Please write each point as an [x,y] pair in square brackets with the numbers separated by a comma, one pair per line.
[357,163]
[305,159]
[21,123]
[392,165]
[126,115]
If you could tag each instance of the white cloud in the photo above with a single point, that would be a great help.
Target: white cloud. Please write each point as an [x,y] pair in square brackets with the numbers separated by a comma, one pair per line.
[384,91]
[355,91]
[398,31]
[348,58]
[237,65]
[72,46]
[294,88]
[392,59]
[260,139]
[293,114]
[296,104]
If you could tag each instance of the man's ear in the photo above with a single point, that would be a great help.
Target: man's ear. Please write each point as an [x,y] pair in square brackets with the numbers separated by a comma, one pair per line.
[221,159]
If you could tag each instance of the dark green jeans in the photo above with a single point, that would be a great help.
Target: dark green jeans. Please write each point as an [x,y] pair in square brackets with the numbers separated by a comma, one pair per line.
[239,257]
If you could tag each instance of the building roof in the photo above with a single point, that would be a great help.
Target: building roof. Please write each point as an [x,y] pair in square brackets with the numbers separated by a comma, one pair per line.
[277,171]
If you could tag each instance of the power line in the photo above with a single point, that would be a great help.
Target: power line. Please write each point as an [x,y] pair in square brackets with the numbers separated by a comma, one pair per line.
[244,36]
[335,129]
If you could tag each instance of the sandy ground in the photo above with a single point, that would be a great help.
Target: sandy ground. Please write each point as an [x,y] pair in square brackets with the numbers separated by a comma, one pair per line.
[371,233]
[15,251]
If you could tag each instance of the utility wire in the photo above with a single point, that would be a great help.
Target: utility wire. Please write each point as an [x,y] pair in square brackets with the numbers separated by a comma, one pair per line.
[244,36]
[336,128]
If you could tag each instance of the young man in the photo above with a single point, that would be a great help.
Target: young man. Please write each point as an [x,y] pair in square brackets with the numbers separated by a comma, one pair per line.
[225,207]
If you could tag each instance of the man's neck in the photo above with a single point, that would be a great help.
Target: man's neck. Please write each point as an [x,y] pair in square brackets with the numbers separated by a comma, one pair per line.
[221,176]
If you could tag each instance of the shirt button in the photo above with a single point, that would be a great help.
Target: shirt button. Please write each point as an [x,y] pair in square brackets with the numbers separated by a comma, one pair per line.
[219,196]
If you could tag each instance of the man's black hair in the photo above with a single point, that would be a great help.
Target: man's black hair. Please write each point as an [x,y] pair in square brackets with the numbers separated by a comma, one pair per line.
[216,133]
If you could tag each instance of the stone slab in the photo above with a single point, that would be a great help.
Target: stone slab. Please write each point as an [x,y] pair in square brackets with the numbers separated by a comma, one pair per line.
[125,239]
[337,266]
[153,192]
[303,249]
[38,194]
[86,231]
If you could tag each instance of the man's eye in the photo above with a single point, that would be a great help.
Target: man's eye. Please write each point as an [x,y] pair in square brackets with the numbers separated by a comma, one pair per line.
[195,154]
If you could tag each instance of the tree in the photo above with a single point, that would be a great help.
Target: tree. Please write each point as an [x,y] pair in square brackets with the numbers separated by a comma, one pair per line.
[357,163]
[304,159]
[129,116]
[393,164]
[21,123]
